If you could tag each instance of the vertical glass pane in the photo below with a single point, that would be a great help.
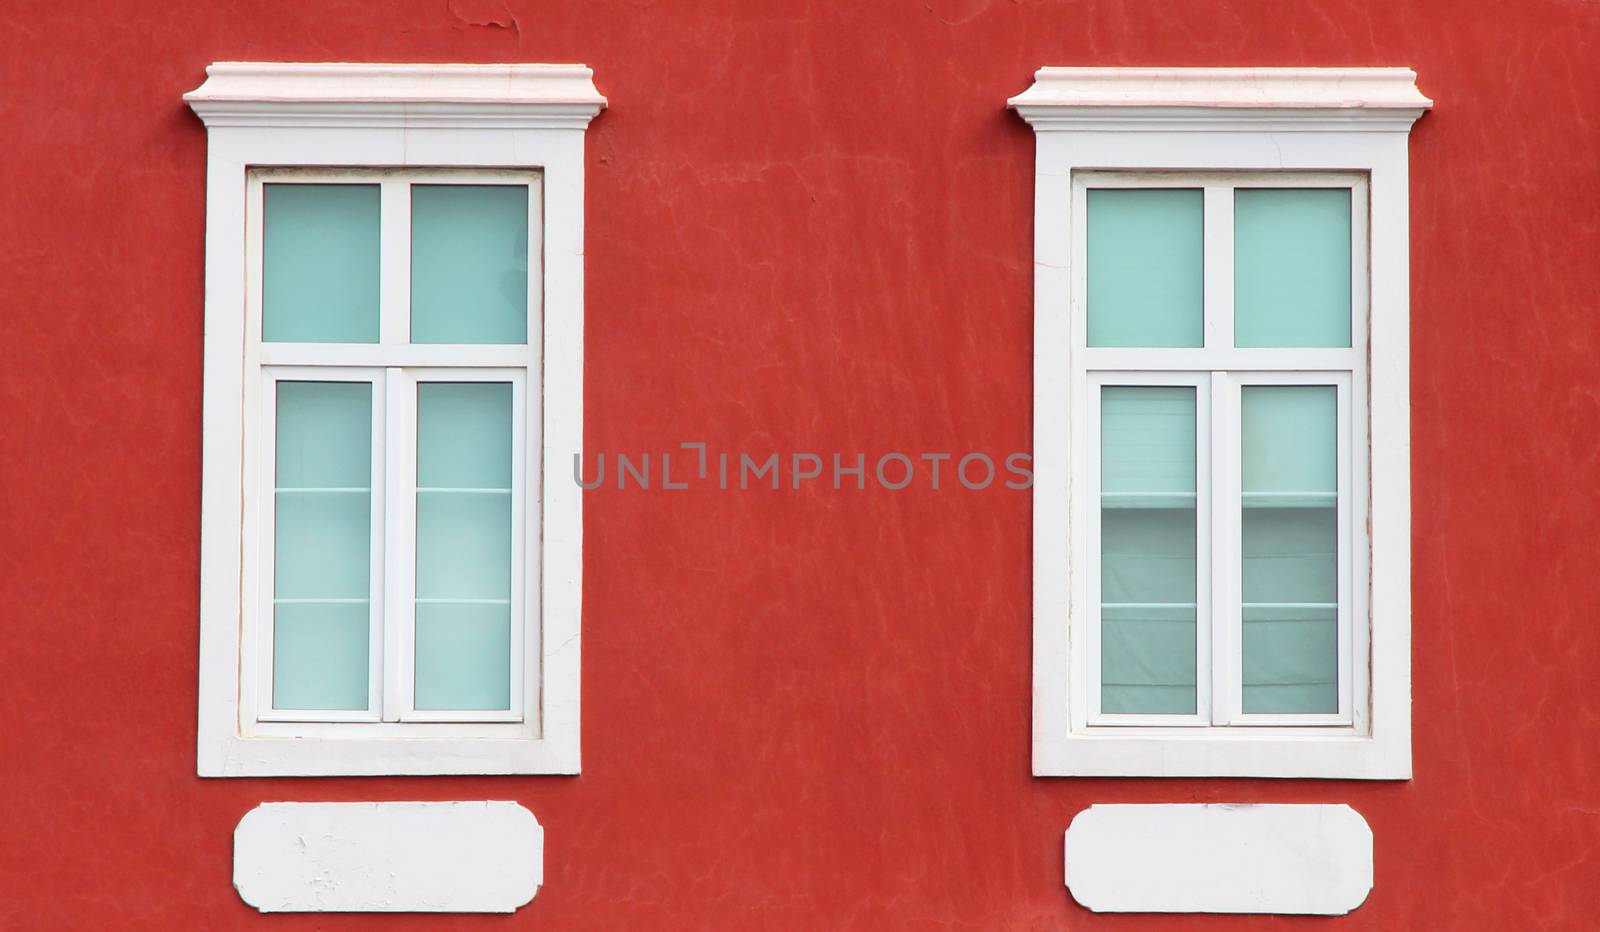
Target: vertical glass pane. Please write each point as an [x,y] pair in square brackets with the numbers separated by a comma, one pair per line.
[1291,549]
[1291,266]
[320,263]
[1147,550]
[322,545]
[469,263]
[464,537]
[1146,268]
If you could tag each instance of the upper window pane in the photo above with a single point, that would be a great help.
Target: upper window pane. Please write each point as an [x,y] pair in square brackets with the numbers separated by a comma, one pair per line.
[1291,255]
[1146,270]
[320,263]
[469,263]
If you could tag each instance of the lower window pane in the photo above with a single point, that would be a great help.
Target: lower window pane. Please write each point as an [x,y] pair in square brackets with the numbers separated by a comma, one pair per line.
[319,655]
[322,546]
[463,656]
[1290,541]
[464,546]
[1147,550]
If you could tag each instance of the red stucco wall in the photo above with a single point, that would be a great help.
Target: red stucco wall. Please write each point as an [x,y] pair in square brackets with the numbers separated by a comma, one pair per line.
[809,228]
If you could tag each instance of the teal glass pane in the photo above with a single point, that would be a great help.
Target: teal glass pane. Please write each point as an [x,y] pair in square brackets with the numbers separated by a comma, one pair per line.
[1290,441]
[469,263]
[322,545]
[1147,435]
[1148,560]
[320,263]
[1146,267]
[464,543]
[324,435]
[464,435]
[1290,543]
[1291,266]
[319,656]
[463,657]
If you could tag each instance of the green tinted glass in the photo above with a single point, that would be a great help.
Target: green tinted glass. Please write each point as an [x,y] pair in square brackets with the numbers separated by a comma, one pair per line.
[1291,261]
[1290,547]
[469,263]
[1148,554]
[320,263]
[322,545]
[319,655]
[464,545]
[1146,268]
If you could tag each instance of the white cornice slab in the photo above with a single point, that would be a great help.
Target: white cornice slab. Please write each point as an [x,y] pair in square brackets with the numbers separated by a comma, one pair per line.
[346,94]
[1215,98]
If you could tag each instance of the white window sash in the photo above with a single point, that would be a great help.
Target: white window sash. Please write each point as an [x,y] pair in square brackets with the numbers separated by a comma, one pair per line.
[1217,371]
[1205,614]
[257,664]
[394,368]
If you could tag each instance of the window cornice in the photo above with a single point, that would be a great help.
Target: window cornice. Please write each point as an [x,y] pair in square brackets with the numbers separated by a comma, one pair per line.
[1221,99]
[513,96]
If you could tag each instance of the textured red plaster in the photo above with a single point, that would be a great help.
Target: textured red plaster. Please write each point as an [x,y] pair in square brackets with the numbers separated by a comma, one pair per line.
[809,228]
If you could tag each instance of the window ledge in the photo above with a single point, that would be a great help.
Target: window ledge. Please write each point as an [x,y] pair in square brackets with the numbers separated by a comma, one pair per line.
[236,756]
[1284,756]
[1283,99]
[396,95]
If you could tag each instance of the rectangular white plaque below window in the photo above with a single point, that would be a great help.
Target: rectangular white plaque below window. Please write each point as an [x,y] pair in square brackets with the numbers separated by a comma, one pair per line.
[1220,858]
[450,857]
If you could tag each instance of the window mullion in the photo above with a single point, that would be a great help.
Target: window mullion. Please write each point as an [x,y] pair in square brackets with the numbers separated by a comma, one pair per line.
[395,248]
[1219,266]
[399,507]
[1225,549]
[1223,610]
[395,330]
[378,675]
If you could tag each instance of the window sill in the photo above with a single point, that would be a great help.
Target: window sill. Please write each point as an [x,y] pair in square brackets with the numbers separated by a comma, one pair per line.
[352,757]
[1310,756]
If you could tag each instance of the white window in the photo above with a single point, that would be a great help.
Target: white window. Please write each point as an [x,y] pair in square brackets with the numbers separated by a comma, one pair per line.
[393,361]
[1221,498]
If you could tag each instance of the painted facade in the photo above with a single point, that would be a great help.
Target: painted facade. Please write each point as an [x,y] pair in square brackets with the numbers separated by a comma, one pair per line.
[809,229]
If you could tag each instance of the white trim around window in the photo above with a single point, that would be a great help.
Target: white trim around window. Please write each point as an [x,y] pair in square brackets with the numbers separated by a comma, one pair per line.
[1216,130]
[391,126]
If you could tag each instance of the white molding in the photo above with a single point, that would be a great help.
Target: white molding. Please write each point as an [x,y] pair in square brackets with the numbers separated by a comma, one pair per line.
[1282,99]
[1221,120]
[361,116]
[1220,858]
[396,95]
[436,857]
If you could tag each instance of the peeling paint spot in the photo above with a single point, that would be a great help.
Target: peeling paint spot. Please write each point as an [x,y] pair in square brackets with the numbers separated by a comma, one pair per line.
[488,13]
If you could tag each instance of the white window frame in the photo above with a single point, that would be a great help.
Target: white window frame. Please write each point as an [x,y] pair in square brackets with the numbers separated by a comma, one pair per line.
[394,125]
[1220,126]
